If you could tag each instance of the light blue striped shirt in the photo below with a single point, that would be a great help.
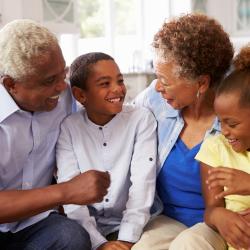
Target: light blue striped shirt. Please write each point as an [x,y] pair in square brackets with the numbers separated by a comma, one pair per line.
[27,146]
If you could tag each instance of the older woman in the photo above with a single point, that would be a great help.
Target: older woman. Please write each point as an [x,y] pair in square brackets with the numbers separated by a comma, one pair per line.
[192,54]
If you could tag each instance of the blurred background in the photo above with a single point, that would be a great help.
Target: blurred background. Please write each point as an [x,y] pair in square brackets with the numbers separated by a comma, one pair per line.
[123,28]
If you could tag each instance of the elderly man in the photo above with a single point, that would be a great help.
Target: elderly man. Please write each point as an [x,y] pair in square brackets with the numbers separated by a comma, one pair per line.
[34,99]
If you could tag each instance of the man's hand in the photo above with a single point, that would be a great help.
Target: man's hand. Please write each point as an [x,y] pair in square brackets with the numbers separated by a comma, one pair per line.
[86,188]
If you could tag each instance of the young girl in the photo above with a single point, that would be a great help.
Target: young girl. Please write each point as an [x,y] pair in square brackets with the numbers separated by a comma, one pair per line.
[227,186]
[109,136]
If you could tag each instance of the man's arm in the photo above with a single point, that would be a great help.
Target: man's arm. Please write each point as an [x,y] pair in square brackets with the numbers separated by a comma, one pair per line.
[86,188]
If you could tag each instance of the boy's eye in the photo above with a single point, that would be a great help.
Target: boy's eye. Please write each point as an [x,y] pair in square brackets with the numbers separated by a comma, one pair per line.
[121,81]
[104,84]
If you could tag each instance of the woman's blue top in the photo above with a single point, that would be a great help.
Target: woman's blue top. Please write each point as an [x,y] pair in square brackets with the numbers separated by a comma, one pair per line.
[179,185]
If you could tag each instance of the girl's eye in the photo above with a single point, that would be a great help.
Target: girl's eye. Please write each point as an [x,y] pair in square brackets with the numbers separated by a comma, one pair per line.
[232,125]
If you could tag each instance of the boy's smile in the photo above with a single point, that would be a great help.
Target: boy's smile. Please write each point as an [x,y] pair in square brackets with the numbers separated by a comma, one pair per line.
[105,92]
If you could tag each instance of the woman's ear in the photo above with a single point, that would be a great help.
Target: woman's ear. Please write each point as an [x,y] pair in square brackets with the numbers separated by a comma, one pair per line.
[79,94]
[204,83]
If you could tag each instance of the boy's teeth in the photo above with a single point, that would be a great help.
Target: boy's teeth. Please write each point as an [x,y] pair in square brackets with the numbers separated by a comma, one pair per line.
[114,100]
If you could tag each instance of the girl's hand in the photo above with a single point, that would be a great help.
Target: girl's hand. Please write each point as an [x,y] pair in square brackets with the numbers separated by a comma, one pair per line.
[235,181]
[232,227]
[116,245]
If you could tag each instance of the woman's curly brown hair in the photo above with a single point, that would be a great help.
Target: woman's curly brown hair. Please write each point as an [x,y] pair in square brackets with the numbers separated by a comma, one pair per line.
[198,44]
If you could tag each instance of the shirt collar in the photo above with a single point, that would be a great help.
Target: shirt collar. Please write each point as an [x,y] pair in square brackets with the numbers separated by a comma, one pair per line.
[109,125]
[7,104]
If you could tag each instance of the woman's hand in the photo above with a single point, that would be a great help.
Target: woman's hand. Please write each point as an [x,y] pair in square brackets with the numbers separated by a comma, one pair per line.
[116,245]
[235,181]
[232,227]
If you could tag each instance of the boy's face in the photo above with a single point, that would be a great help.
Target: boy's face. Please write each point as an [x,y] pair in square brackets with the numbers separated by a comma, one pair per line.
[41,92]
[105,92]
[235,121]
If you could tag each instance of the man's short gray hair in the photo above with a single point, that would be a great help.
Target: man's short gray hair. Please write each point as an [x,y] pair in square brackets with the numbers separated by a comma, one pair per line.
[24,44]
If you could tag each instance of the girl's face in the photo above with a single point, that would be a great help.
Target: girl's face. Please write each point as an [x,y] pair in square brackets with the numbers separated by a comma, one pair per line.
[105,92]
[179,92]
[235,121]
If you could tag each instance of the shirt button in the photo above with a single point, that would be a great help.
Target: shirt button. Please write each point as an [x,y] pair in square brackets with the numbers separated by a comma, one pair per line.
[100,128]
[151,159]
[104,144]
[107,200]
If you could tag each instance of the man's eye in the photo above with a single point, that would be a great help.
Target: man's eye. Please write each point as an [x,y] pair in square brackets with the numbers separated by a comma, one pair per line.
[49,81]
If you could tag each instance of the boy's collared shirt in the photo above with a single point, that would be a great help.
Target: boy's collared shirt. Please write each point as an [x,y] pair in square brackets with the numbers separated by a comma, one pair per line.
[126,148]
[27,146]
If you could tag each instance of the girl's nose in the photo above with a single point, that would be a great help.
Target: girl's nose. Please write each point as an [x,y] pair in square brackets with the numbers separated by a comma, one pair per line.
[224,130]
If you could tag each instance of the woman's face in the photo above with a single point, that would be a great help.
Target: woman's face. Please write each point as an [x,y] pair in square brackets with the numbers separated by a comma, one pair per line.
[179,92]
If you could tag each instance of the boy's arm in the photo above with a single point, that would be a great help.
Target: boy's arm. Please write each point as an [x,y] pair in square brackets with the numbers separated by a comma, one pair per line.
[20,204]
[143,176]
[232,227]
[67,168]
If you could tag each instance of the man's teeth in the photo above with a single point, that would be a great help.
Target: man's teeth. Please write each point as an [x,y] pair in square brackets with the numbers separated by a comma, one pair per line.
[54,97]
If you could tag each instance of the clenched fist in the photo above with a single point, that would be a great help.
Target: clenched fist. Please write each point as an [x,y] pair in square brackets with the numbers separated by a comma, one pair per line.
[86,188]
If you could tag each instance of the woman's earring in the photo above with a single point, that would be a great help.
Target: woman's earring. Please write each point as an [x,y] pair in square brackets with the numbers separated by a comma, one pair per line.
[198,94]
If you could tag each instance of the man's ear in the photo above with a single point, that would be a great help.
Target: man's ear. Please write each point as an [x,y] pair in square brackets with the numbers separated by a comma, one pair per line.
[9,83]
[79,94]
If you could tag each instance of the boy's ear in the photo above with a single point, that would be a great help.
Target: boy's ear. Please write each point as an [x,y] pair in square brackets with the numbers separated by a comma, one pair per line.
[79,94]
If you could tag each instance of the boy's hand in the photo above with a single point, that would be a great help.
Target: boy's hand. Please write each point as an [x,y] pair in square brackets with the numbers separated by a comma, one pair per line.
[86,188]
[235,181]
[116,245]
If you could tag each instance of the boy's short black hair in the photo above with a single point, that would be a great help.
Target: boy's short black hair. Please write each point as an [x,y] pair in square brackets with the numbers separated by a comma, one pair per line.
[81,68]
